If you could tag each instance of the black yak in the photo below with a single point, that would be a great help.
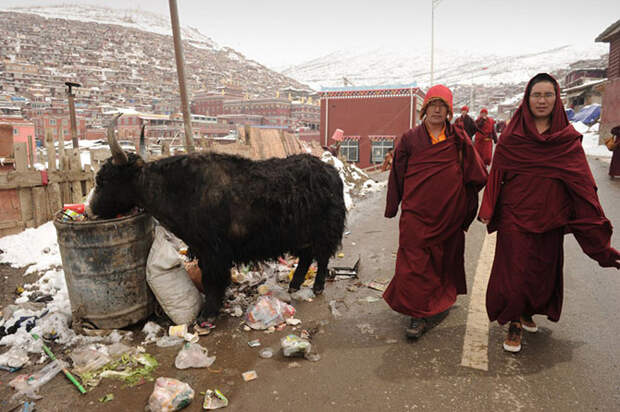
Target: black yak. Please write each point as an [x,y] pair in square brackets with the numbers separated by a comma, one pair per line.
[229,209]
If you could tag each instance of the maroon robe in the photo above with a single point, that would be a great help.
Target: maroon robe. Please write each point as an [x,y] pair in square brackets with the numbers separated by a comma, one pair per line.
[438,197]
[614,167]
[540,187]
[468,124]
[485,136]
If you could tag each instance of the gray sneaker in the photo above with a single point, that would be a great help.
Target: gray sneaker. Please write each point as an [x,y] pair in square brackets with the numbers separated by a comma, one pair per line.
[416,328]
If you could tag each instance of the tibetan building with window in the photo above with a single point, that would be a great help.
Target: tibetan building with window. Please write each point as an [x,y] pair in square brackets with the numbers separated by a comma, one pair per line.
[372,119]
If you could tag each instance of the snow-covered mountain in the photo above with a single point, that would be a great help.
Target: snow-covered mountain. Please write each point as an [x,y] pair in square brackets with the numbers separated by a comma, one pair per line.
[132,18]
[461,67]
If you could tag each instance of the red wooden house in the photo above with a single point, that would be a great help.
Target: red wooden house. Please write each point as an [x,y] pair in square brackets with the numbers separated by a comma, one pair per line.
[372,118]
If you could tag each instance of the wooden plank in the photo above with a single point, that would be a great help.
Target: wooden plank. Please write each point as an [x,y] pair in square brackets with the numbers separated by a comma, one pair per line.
[28,179]
[54,202]
[51,151]
[18,227]
[40,206]
[21,157]
[31,149]
[76,192]
[9,224]
[61,153]
[65,193]
[25,204]
[77,160]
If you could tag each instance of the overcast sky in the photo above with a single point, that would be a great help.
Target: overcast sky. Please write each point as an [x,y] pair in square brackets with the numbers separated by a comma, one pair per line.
[278,33]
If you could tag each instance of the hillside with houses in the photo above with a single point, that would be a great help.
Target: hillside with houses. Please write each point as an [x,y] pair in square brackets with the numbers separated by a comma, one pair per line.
[117,66]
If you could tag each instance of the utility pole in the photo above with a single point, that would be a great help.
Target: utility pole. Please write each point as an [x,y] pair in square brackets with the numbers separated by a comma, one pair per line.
[178,53]
[70,97]
[434,3]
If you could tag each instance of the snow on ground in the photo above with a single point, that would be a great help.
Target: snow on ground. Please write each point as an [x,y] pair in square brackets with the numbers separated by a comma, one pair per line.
[590,140]
[356,181]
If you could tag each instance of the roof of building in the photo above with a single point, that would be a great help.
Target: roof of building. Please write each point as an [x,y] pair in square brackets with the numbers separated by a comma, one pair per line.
[364,88]
[584,86]
[606,35]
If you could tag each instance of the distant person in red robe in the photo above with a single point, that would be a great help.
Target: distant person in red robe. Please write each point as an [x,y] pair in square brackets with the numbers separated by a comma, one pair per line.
[540,187]
[435,177]
[485,136]
[500,126]
[614,167]
[466,122]
[387,160]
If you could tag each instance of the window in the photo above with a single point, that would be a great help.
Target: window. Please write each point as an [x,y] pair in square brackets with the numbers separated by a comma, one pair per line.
[350,149]
[15,132]
[379,149]
[53,122]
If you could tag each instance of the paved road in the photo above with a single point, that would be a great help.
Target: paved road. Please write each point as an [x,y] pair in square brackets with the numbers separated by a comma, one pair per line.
[367,363]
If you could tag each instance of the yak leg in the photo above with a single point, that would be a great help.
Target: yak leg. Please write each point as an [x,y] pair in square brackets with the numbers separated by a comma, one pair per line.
[305,260]
[321,273]
[215,280]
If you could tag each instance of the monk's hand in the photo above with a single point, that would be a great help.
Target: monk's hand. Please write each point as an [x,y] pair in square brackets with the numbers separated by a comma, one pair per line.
[611,260]
[484,220]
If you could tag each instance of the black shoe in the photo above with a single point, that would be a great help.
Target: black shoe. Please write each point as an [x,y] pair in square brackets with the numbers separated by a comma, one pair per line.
[416,328]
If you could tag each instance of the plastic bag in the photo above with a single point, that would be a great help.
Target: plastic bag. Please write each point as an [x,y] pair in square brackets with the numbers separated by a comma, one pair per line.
[167,341]
[170,395]
[293,345]
[89,358]
[169,281]
[268,311]
[193,355]
[14,358]
[29,384]
[151,330]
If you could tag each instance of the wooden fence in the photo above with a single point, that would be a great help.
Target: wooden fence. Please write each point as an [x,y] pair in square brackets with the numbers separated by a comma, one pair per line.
[30,197]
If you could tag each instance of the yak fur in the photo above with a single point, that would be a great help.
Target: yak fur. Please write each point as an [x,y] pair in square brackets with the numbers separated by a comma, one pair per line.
[229,209]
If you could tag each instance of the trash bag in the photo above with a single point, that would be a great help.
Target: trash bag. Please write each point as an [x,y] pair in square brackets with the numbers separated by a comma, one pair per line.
[170,395]
[268,311]
[193,355]
[169,281]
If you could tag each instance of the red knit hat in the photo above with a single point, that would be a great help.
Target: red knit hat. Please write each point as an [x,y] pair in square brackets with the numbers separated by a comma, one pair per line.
[484,110]
[438,92]
[464,108]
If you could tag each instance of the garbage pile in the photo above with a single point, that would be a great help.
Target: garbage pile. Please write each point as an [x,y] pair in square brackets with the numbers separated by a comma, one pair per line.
[258,296]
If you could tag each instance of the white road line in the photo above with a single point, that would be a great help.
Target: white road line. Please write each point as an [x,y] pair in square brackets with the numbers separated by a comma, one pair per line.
[476,343]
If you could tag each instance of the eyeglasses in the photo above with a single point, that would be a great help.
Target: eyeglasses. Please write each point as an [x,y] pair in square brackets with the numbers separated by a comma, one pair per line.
[547,96]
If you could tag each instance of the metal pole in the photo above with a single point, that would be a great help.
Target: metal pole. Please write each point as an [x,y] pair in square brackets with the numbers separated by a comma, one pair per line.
[178,52]
[432,38]
[411,108]
[326,118]
[471,93]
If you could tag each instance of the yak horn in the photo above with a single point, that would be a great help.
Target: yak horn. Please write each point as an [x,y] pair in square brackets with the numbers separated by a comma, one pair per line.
[118,155]
[143,152]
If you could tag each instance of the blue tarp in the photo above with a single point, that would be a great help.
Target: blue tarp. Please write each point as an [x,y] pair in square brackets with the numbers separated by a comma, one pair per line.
[570,113]
[588,114]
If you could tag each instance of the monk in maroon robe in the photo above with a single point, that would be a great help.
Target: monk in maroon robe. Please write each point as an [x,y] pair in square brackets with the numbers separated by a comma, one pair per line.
[436,176]
[540,187]
[485,136]
[466,122]
[614,167]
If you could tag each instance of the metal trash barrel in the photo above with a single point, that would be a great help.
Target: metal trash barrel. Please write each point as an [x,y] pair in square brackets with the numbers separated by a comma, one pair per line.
[105,268]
